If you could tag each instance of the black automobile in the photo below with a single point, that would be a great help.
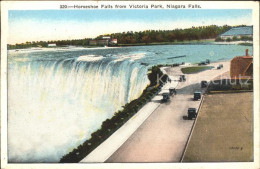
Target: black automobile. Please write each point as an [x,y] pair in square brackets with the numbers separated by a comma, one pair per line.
[192,113]
[165,97]
[172,91]
[220,66]
[197,96]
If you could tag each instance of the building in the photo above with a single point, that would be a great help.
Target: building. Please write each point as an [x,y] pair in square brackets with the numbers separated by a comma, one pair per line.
[106,37]
[103,42]
[51,44]
[93,42]
[113,41]
[241,67]
[238,32]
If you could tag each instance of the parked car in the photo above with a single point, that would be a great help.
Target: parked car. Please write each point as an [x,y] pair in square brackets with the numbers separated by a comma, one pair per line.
[204,84]
[192,113]
[182,78]
[197,96]
[172,91]
[166,97]
[220,66]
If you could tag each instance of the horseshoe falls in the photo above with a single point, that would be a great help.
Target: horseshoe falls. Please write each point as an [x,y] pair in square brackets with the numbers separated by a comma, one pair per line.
[57,99]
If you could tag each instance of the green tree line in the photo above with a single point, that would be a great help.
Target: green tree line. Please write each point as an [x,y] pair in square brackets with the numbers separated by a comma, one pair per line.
[75,42]
[176,35]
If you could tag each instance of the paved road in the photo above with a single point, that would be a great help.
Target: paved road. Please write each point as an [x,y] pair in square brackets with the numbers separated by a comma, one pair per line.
[162,137]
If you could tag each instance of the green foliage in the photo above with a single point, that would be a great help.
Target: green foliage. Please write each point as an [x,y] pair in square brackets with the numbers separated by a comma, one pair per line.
[246,44]
[195,69]
[218,39]
[180,35]
[228,40]
[76,42]
[235,38]
[246,38]
[155,75]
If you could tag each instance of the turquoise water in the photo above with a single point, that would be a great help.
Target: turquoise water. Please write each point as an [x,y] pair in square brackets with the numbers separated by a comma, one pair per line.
[57,98]
[194,53]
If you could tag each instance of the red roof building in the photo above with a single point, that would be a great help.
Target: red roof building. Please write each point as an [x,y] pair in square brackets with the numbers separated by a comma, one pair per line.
[241,67]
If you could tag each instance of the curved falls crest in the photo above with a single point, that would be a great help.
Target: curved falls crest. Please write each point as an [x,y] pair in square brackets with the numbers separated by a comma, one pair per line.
[55,105]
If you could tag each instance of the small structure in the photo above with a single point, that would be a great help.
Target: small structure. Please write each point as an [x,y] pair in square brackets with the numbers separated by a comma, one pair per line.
[197,96]
[113,41]
[51,44]
[238,32]
[106,37]
[192,113]
[242,67]
[103,42]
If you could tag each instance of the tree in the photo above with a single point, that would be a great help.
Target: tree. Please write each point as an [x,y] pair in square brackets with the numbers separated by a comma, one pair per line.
[146,39]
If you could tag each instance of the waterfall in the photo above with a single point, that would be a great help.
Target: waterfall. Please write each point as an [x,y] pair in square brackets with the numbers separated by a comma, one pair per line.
[55,105]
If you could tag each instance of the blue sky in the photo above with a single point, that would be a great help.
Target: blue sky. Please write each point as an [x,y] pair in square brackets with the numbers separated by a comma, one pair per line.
[36,25]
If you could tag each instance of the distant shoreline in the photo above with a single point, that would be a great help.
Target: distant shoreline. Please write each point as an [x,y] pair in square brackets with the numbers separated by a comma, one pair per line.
[193,42]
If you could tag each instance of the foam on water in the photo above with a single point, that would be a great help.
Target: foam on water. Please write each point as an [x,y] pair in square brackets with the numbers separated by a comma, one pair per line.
[132,56]
[89,58]
[54,106]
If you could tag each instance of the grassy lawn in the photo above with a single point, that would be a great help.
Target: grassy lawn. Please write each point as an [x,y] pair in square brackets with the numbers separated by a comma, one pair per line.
[224,130]
[195,69]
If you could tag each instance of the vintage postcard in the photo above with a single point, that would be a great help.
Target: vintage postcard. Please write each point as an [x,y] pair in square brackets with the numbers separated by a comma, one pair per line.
[109,84]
